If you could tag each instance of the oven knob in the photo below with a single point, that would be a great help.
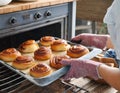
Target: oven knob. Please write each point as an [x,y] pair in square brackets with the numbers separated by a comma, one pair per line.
[13,20]
[37,15]
[48,13]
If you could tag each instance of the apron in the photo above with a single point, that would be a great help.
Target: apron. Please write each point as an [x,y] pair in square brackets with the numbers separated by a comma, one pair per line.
[112,19]
[111,53]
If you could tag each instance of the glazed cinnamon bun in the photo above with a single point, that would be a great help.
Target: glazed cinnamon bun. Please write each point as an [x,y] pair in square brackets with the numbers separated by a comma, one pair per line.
[28,46]
[59,45]
[40,70]
[46,40]
[10,54]
[23,62]
[77,51]
[43,53]
[55,61]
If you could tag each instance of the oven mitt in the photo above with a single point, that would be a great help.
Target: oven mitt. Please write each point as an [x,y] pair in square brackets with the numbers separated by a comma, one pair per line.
[81,68]
[95,40]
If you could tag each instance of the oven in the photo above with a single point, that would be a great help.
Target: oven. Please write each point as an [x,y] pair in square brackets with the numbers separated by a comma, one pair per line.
[32,24]
[17,27]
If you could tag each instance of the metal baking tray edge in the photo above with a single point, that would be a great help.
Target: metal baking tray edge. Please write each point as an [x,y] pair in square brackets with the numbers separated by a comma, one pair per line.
[55,75]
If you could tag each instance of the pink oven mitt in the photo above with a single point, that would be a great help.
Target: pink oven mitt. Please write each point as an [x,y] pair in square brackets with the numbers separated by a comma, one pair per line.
[95,40]
[81,68]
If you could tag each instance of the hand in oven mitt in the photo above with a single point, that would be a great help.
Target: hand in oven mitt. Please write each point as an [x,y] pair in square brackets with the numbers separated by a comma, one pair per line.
[95,40]
[81,68]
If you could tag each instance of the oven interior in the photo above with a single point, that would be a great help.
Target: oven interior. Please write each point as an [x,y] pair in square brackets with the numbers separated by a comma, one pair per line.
[36,34]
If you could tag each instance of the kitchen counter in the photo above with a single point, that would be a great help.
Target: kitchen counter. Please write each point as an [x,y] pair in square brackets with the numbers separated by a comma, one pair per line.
[19,5]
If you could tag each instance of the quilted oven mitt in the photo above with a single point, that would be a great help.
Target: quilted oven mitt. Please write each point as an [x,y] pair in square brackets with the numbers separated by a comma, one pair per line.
[81,68]
[95,40]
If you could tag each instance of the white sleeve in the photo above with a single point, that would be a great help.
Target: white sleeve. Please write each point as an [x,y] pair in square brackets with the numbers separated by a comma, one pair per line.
[110,16]
[112,19]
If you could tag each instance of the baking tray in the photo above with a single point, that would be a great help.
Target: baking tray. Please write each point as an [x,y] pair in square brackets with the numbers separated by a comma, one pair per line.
[44,81]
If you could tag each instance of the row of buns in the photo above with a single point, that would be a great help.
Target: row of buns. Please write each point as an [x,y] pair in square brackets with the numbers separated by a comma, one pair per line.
[56,45]
[37,69]
[41,52]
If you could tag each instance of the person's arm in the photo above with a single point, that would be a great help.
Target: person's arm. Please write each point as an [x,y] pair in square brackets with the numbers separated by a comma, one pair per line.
[111,75]
[93,69]
[109,43]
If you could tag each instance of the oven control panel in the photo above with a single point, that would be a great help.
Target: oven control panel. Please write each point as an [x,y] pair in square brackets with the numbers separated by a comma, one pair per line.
[43,14]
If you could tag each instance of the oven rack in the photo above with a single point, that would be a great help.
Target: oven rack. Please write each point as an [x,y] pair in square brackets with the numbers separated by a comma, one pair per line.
[12,82]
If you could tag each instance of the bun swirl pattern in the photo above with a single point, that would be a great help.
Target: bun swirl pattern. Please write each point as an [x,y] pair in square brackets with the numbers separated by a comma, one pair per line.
[55,61]
[9,54]
[28,46]
[40,70]
[47,40]
[77,51]
[59,45]
[43,53]
[23,62]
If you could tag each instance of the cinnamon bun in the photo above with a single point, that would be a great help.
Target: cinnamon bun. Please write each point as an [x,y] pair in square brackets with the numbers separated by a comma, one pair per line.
[59,45]
[43,53]
[10,54]
[23,62]
[55,61]
[40,70]
[77,51]
[46,40]
[28,46]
